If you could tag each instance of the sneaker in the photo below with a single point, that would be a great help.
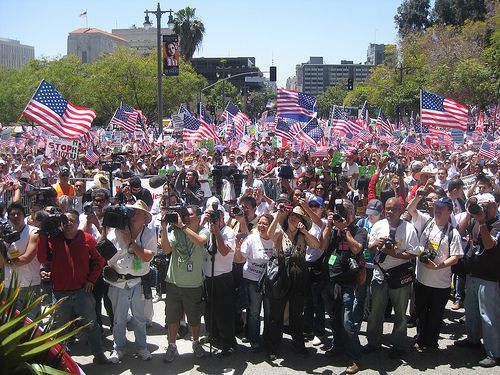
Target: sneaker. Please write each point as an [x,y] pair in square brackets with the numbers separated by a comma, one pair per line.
[417,348]
[157,298]
[464,343]
[488,362]
[198,350]
[144,354]
[101,359]
[116,356]
[317,341]
[170,354]
[457,305]
[352,369]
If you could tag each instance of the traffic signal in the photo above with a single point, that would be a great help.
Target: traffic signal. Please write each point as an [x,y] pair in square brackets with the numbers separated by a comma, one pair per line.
[212,110]
[272,74]
[350,84]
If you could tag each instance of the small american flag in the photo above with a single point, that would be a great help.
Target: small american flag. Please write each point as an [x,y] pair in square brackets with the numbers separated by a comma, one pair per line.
[191,128]
[207,127]
[240,120]
[126,117]
[91,156]
[340,122]
[51,111]
[296,105]
[487,150]
[384,123]
[311,133]
[440,111]
[283,129]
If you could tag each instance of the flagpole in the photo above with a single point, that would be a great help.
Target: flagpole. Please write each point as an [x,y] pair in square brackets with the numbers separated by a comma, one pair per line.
[32,96]
[110,125]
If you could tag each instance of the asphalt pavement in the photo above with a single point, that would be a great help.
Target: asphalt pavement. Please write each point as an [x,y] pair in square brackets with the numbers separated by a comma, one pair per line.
[447,360]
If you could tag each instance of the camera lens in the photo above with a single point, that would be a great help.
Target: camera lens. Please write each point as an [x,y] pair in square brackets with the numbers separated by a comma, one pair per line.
[337,217]
[474,209]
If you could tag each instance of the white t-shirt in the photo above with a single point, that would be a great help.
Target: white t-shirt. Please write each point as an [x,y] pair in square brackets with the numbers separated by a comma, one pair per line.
[263,208]
[27,274]
[351,169]
[406,240]
[434,239]
[313,254]
[257,251]
[223,264]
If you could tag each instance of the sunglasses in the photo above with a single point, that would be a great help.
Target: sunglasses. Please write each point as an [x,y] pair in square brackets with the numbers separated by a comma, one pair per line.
[314,206]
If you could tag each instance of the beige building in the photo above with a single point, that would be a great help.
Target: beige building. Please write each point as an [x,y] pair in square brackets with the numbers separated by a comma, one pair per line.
[140,39]
[89,43]
[15,54]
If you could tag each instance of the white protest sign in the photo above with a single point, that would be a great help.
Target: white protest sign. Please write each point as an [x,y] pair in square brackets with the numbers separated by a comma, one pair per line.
[62,147]
[468,181]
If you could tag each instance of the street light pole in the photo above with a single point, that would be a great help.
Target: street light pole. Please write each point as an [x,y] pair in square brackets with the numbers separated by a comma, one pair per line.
[147,24]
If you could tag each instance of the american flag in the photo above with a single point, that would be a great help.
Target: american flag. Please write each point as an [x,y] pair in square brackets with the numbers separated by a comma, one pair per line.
[412,144]
[240,119]
[439,137]
[340,122]
[51,111]
[311,133]
[207,127]
[384,123]
[268,122]
[145,146]
[5,137]
[487,150]
[440,111]
[363,115]
[296,105]
[418,127]
[126,118]
[283,127]
[91,156]
[191,129]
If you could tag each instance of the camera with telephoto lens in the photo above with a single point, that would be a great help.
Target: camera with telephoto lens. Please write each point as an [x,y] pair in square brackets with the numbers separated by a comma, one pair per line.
[42,195]
[51,226]
[473,207]
[426,255]
[173,212]
[340,211]
[236,211]
[117,216]
[388,244]
[7,232]
[88,207]
[214,215]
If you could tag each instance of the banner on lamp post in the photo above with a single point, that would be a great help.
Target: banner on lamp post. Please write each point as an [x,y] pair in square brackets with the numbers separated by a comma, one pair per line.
[171,55]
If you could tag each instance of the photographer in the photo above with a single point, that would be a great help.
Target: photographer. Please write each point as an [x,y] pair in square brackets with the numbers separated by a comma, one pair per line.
[482,265]
[75,266]
[134,245]
[132,191]
[342,260]
[219,284]
[391,240]
[189,188]
[440,248]
[186,241]
[18,257]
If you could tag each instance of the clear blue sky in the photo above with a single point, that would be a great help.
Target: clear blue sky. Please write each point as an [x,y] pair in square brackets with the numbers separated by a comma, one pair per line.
[288,31]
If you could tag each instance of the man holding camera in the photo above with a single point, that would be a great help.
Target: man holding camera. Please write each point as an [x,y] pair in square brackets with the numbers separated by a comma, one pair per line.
[219,284]
[75,266]
[186,240]
[342,259]
[482,264]
[391,241]
[132,191]
[19,255]
[135,245]
[189,188]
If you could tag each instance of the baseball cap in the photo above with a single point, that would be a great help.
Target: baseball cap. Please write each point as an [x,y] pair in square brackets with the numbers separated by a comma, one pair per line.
[317,199]
[283,198]
[485,198]
[444,202]
[374,207]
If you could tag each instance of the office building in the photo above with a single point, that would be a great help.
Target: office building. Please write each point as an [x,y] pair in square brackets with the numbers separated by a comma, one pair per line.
[89,43]
[15,54]
[142,40]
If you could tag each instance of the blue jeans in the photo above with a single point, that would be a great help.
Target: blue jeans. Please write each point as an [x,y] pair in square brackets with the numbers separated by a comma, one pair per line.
[482,314]
[122,300]
[80,303]
[253,320]
[399,299]
[362,302]
[459,283]
[339,301]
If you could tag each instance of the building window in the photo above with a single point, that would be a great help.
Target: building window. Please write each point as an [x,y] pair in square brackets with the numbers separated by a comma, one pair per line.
[84,57]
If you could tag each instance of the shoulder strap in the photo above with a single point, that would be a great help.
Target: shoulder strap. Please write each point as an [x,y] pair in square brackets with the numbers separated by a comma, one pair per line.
[426,224]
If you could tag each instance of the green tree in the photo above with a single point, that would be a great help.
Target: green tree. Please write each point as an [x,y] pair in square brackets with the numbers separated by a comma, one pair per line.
[190,31]
[221,93]
[412,15]
[334,95]
[256,103]
[456,12]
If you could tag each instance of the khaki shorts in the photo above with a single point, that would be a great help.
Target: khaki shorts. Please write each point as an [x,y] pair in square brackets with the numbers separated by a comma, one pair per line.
[184,300]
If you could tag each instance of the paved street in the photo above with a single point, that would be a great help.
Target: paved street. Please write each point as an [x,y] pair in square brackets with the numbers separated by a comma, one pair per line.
[447,360]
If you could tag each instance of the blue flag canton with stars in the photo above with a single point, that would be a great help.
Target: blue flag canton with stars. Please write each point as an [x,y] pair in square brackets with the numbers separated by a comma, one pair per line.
[432,101]
[204,115]
[419,128]
[191,123]
[307,101]
[314,131]
[49,97]
[232,109]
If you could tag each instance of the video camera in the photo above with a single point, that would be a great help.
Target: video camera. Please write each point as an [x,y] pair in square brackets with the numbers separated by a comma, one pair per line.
[43,195]
[215,214]
[427,255]
[117,216]
[51,225]
[7,232]
[116,160]
[172,212]
[394,166]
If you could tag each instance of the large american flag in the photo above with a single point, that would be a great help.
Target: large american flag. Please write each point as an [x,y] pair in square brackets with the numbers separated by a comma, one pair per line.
[240,120]
[194,130]
[384,123]
[363,115]
[440,111]
[207,127]
[340,122]
[126,117]
[51,111]
[296,105]
[311,133]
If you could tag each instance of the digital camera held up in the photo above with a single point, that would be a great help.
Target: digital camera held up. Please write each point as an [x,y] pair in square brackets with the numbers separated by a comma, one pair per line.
[7,232]
[172,212]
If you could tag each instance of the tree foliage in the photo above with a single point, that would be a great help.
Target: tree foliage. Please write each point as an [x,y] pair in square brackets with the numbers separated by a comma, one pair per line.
[456,12]
[221,93]
[412,15]
[190,30]
[334,95]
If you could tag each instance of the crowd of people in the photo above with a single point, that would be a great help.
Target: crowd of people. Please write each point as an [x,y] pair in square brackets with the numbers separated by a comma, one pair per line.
[281,233]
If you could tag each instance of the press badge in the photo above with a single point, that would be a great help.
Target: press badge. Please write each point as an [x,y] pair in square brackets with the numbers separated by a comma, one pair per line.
[332,260]
[189,266]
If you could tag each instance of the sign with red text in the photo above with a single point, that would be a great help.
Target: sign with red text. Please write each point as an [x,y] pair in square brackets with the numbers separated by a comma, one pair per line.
[60,147]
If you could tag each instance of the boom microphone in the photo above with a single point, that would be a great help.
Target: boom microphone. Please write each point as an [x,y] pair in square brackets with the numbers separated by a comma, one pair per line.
[157,181]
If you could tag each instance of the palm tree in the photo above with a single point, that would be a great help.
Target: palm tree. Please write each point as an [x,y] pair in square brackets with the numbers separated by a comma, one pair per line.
[190,31]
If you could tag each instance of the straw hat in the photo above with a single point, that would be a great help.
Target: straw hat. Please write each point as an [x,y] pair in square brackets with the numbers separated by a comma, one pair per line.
[140,205]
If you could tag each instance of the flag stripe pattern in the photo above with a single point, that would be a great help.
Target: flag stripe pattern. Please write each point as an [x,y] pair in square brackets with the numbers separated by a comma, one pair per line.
[444,112]
[296,105]
[340,122]
[51,111]
[384,123]
[126,117]
[240,119]
[207,127]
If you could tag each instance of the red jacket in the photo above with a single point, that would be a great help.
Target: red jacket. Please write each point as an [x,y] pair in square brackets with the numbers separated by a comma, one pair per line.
[372,190]
[71,265]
